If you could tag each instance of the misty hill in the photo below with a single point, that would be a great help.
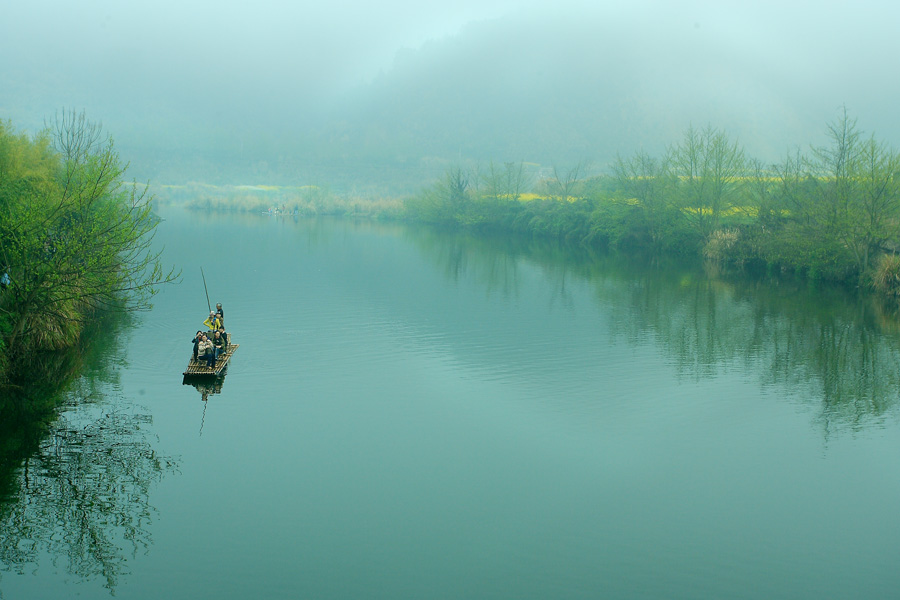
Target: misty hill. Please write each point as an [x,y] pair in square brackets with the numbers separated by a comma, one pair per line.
[557,92]
[548,90]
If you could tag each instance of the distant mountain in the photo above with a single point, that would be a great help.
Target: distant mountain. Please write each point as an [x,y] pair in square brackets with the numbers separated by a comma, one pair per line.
[560,92]
[552,91]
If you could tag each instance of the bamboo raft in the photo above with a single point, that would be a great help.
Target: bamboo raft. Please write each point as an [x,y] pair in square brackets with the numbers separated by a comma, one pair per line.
[198,368]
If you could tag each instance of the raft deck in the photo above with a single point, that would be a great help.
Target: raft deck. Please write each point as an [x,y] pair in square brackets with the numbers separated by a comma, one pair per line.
[197,368]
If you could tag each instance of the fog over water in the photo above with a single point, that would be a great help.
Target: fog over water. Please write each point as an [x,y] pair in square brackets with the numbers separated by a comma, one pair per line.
[417,412]
[276,91]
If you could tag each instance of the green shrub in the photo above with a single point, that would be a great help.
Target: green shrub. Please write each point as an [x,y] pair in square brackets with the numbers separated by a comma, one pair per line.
[886,277]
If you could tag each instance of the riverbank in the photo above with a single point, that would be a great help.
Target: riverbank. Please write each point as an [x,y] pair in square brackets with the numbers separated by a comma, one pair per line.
[600,213]
[75,240]
[831,214]
[307,201]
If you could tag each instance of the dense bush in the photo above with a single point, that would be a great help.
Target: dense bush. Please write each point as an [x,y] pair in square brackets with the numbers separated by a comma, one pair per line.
[75,239]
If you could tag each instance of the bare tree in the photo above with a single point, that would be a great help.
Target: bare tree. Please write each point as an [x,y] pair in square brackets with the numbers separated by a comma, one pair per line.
[564,182]
[855,191]
[504,182]
[645,181]
[706,167]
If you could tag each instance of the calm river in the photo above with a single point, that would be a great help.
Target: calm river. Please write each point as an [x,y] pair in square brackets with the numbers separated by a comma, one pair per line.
[414,414]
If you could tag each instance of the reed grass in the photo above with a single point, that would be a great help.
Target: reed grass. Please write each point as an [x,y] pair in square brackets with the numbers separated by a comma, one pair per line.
[719,243]
[886,276]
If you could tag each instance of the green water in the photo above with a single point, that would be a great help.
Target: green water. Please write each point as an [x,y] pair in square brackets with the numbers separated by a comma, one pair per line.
[422,415]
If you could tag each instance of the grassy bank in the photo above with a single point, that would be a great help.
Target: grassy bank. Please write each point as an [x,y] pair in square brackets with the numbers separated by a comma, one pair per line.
[310,200]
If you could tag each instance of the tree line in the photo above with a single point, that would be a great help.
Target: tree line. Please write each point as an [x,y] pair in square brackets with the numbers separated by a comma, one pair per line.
[75,238]
[832,212]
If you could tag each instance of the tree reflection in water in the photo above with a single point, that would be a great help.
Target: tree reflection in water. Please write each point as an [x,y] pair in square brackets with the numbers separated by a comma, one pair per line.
[818,340]
[830,346]
[77,465]
[83,497]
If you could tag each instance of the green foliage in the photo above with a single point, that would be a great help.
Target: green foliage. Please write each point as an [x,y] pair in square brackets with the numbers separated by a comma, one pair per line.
[832,212]
[886,278]
[570,221]
[796,247]
[74,237]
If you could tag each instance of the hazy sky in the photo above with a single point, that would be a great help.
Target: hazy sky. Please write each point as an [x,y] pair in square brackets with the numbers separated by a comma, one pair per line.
[177,63]
[330,43]
[340,42]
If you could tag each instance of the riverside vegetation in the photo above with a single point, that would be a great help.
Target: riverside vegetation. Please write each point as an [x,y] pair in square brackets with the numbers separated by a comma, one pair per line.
[75,241]
[75,244]
[832,213]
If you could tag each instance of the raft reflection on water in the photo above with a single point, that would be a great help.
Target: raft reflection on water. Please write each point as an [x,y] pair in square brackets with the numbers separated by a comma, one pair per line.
[206,386]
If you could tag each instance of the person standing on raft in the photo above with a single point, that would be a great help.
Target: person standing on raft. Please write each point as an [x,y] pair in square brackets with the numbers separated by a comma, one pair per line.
[213,322]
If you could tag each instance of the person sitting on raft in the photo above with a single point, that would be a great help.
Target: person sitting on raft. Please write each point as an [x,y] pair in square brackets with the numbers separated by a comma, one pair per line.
[218,344]
[220,312]
[196,341]
[205,351]
[213,322]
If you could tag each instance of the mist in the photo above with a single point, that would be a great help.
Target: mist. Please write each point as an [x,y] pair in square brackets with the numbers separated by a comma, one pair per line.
[385,97]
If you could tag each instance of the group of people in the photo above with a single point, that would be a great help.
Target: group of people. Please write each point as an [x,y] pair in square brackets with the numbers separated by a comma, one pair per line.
[209,345]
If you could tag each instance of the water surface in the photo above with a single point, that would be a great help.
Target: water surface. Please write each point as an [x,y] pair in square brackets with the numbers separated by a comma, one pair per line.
[415,414]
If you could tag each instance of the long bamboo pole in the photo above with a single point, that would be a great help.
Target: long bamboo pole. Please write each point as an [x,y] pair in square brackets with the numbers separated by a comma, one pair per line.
[205,290]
